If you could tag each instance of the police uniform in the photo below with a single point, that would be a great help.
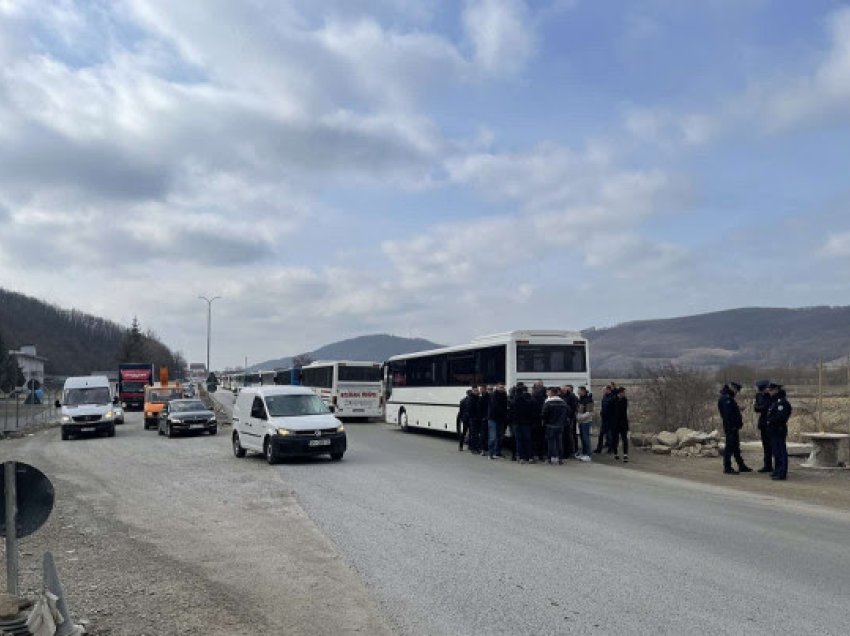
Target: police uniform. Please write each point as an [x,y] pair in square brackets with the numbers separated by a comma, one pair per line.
[730,412]
[777,425]
[762,403]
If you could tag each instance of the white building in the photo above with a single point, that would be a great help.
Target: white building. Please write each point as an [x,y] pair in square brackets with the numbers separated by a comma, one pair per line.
[32,364]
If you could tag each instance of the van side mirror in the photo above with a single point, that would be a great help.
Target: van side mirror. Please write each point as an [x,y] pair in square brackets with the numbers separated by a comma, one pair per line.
[57,404]
[115,400]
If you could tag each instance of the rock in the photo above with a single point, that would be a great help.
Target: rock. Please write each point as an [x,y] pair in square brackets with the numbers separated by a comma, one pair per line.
[684,433]
[641,439]
[660,449]
[8,606]
[710,452]
[666,438]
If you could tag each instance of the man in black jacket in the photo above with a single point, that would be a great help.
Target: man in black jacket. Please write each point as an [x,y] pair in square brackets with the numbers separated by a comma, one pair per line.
[605,420]
[730,413]
[777,425]
[497,419]
[538,433]
[485,393]
[620,424]
[462,422]
[554,417]
[762,404]
[473,409]
[570,435]
[523,414]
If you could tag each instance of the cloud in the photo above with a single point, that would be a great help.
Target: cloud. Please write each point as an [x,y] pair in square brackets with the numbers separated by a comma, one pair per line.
[501,34]
[837,246]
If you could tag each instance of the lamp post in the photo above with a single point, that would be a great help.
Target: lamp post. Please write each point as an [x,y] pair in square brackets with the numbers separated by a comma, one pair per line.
[209,302]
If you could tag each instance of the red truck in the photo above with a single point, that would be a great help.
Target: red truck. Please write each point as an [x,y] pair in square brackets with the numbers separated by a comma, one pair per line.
[133,377]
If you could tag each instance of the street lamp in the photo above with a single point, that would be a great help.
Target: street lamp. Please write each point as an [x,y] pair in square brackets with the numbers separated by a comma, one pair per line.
[209,302]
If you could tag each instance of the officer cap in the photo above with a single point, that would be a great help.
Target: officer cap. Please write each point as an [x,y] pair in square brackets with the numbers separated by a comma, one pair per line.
[761,385]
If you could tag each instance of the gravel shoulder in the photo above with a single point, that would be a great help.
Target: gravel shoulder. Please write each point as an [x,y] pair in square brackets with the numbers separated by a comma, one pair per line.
[159,536]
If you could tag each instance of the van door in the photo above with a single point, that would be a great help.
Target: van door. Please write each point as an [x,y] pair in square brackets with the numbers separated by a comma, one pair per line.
[257,421]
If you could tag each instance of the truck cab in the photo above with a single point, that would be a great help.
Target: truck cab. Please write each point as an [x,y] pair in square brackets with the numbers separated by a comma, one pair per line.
[156,397]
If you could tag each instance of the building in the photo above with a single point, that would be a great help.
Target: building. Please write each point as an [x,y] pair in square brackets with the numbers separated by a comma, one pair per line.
[32,364]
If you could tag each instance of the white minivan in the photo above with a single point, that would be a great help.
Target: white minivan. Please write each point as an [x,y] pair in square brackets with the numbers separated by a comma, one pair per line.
[285,421]
[87,406]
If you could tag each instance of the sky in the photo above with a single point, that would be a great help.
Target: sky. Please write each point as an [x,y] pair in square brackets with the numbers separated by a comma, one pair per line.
[437,169]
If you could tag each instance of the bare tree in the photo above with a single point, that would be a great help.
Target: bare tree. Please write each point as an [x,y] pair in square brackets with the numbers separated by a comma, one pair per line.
[301,360]
[676,397]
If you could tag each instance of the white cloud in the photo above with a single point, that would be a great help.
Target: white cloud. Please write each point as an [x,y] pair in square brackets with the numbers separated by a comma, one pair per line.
[837,245]
[501,33]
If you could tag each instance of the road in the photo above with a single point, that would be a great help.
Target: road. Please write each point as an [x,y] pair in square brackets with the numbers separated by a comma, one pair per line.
[408,535]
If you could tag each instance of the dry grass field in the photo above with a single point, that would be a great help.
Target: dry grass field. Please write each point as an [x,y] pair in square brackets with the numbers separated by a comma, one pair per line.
[834,412]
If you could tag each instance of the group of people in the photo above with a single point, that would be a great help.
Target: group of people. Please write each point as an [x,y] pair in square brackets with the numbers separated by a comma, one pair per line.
[774,410]
[548,425]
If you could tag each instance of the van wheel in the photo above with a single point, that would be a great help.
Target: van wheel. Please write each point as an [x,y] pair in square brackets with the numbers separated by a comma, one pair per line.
[402,421]
[65,435]
[238,451]
[336,456]
[110,432]
[169,432]
[268,451]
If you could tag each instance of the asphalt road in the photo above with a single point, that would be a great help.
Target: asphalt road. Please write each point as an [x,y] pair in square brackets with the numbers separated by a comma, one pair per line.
[451,543]
[407,532]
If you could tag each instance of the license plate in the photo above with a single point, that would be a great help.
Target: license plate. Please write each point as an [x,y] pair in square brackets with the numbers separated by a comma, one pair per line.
[319,442]
[197,426]
[87,429]
[359,410]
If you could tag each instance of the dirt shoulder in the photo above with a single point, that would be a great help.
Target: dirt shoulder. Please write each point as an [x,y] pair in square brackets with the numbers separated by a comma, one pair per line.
[822,487]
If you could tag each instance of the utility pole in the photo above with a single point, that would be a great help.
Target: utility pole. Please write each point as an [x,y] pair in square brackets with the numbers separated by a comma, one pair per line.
[209,302]
[820,395]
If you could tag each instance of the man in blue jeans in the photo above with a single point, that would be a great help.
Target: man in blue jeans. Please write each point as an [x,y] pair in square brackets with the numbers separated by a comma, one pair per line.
[497,418]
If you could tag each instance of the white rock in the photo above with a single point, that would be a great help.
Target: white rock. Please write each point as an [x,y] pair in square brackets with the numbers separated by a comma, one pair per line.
[666,438]
[660,449]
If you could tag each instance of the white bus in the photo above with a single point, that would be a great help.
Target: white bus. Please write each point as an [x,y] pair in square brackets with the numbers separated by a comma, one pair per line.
[350,389]
[424,389]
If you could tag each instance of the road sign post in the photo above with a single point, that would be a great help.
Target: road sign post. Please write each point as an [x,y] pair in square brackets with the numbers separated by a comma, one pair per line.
[11,495]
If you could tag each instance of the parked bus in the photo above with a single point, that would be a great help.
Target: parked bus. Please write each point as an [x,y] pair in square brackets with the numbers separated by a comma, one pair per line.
[424,389]
[350,389]
[288,377]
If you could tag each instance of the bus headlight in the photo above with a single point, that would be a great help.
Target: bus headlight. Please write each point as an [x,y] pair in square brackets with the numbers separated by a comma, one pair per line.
[284,432]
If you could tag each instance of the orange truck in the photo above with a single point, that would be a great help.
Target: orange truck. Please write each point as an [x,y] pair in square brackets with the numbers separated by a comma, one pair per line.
[157,396]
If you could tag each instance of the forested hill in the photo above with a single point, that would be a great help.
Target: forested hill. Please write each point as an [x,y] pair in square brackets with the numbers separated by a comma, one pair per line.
[756,337]
[74,342]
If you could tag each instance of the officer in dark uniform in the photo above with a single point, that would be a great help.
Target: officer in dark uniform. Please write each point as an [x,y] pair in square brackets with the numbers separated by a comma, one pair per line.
[730,413]
[762,403]
[777,426]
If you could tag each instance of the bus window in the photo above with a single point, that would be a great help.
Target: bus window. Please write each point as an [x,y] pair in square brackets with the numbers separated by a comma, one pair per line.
[550,358]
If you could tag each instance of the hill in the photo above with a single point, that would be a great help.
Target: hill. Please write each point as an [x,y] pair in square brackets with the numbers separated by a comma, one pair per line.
[74,342]
[758,337]
[377,347]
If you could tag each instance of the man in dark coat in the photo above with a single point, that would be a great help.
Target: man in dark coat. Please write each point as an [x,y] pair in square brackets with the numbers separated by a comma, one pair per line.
[485,393]
[762,404]
[538,433]
[777,425]
[523,415]
[570,435]
[620,424]
[462,422]
[497,419]
[473,409]
[555,417]
[730,413]
[605,420]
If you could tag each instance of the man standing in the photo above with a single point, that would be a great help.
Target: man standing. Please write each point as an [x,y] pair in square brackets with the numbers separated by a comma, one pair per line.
[554,419]
[762,404]
[523,415]
[605,417]
[538,432]
[730,413]
[484,413]
[497,418]
[570,436]
[463,419]
[620,424]
[584,418]
[777,425]
[474,414]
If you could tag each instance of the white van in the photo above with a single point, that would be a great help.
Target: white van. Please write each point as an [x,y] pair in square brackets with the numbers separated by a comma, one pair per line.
[87,406]
[285,421]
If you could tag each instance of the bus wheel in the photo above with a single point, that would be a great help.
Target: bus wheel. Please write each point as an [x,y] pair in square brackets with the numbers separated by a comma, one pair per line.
[402,420]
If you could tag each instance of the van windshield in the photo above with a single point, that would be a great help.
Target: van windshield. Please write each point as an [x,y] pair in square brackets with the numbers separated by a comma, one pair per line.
[89,395]
[295,405]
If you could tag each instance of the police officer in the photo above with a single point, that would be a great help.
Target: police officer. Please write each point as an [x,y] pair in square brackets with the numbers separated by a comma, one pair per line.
[730,413]
[777,426]
[762,403]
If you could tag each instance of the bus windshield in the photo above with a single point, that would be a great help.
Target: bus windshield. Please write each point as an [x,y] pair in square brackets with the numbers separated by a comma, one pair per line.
[358,374]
